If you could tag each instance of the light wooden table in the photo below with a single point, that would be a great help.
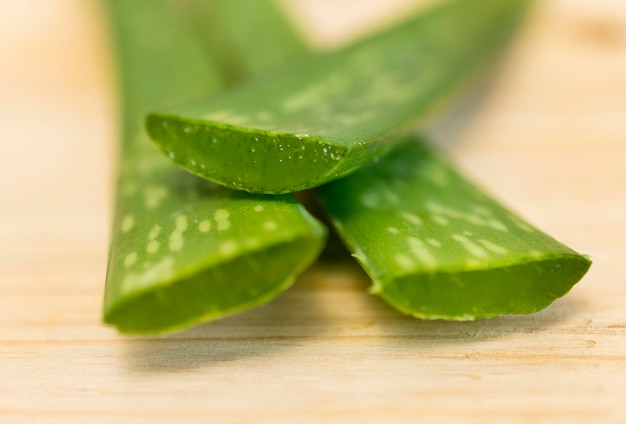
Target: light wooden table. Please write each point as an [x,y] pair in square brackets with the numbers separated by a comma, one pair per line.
[548,136]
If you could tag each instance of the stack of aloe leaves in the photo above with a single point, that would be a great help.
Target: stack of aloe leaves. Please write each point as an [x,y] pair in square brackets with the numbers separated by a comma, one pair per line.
[226,114]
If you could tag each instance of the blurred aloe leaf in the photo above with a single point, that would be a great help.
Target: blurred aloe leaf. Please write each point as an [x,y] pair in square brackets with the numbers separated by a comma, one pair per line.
[436,246]
[183,250]
[239,45]
[323,117]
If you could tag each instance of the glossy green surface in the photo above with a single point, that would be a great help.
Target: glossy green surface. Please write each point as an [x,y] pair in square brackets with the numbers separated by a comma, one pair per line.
[436,246]
[323,117]
[184,250]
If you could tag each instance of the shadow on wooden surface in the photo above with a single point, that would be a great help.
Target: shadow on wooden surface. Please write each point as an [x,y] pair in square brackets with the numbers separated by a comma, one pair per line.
[328,304]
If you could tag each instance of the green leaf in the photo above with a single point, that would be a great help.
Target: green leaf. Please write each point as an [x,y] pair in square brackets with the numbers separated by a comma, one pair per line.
[436,246]
[321,118]
[183,250]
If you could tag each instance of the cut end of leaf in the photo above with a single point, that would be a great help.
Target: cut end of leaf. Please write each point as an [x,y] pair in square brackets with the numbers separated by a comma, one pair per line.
[243,283]
[522,288]
[437,247]
[243,159]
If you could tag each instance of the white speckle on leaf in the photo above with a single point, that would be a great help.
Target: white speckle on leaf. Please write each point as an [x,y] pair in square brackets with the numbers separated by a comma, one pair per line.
[154,195]
[154,232]
[370,200]
[270,226]
[128,222]
[393,230]
[470,246]
[422,252]
[162,270]
[204,226]
[222,217]
[181,222]
[176,240]
[440,220]
[498,225]
[228,247]
[259,208]
[456,214]
[412,218]
[130,259]
[391,196]
[153,246]
[433,242]
[495,248]
[403,261]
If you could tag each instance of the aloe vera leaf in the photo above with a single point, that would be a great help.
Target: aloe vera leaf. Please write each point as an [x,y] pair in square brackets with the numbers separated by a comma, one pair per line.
[183,250]
[320,118]
[436,246]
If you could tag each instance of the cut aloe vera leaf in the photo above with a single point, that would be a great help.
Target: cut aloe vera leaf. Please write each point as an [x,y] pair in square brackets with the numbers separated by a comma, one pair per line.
[436,246]
[321,118]
[183,250]
[199,255]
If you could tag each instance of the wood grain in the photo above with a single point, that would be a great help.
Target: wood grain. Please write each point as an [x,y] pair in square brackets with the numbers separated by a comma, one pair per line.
[546,134]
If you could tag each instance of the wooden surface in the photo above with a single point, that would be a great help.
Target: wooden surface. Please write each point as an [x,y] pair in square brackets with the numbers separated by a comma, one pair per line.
[548,136]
